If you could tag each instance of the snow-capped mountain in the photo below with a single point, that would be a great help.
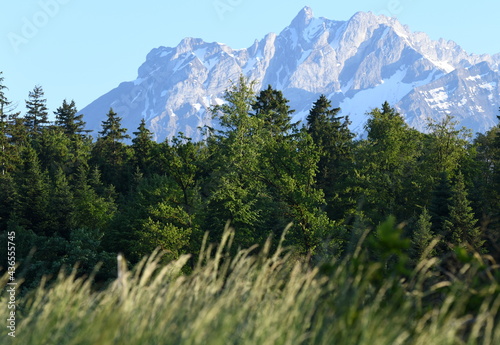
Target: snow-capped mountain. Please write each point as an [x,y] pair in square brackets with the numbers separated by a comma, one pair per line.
[358,64]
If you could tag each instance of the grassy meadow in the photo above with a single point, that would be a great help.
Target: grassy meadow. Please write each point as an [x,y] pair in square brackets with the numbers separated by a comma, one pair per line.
[263,297]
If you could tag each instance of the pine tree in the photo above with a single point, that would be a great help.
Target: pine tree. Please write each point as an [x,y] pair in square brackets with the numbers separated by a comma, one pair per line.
[61,205]
[386,165]
[8,199]
[110,154]
[486,192]
[272,107]
[37,115]
[496,164]
[319,116]
[4,102]
[422,235]
[330,132]
[112,129]
[92,210]
[461,225]
[54,150]
[67,118]
[447,145]
[439,208]
[17,130]
[142,145]
[32,209]
[5,147]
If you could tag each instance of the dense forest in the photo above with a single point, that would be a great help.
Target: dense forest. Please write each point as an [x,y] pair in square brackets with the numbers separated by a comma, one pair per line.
[73,197]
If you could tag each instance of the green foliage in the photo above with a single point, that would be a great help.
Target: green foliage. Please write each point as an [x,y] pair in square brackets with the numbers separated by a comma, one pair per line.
[461,227]
[386,165]
[62,206]
[32,208]
[36,116]
[73,199]
[272,107]
[67,118]
[153,216]
[142,145]
[110,154]
[389,245]
[440,203]
[264,298]
[422,236]
[331,134]
[447,144]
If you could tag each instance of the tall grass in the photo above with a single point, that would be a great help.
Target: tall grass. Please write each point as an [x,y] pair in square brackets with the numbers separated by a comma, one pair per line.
[261,298]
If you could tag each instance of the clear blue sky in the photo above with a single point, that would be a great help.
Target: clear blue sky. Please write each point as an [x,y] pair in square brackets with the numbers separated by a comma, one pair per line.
[81,49]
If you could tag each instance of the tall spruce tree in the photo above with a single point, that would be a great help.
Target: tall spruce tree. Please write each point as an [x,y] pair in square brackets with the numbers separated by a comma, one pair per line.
[110,154]
[422,235]
[36,115]
[447,145]
[330,132]
[272,107]
[386,164]
[5,152]
[440,203]
[67,118]
[461,225]
[61,205]
[32,209]
[8,199]
[4,102]
[112,130]
[486,192]
[142,145]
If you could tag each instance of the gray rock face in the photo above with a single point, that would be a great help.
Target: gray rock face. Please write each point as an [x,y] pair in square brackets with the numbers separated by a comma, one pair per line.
[358,64]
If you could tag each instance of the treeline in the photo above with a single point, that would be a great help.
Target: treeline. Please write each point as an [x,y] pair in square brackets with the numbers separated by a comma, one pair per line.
[75,199]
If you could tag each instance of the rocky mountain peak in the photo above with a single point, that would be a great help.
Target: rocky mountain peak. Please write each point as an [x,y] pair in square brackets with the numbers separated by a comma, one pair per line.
[358,64]
[303,18]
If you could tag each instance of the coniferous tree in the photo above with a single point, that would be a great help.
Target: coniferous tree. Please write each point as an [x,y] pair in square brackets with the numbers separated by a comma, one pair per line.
[386,165]
[110,154]
[32,209]
[112,130]
[422,235]
[447,145]
[461,225]
[94,207]
[233,184]
[330,132]
[5,149]
[4,102]
[54,150]
[8,199]
[36,116]
[496,155]
[17,131]
[485,194]
[73,127]
[261,182]
[67,118]
[62,206]
[151,217]
[142,145]
[439,208]
[272,107]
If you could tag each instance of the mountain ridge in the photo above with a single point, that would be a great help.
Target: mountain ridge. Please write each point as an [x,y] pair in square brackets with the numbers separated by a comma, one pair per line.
[358,64]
